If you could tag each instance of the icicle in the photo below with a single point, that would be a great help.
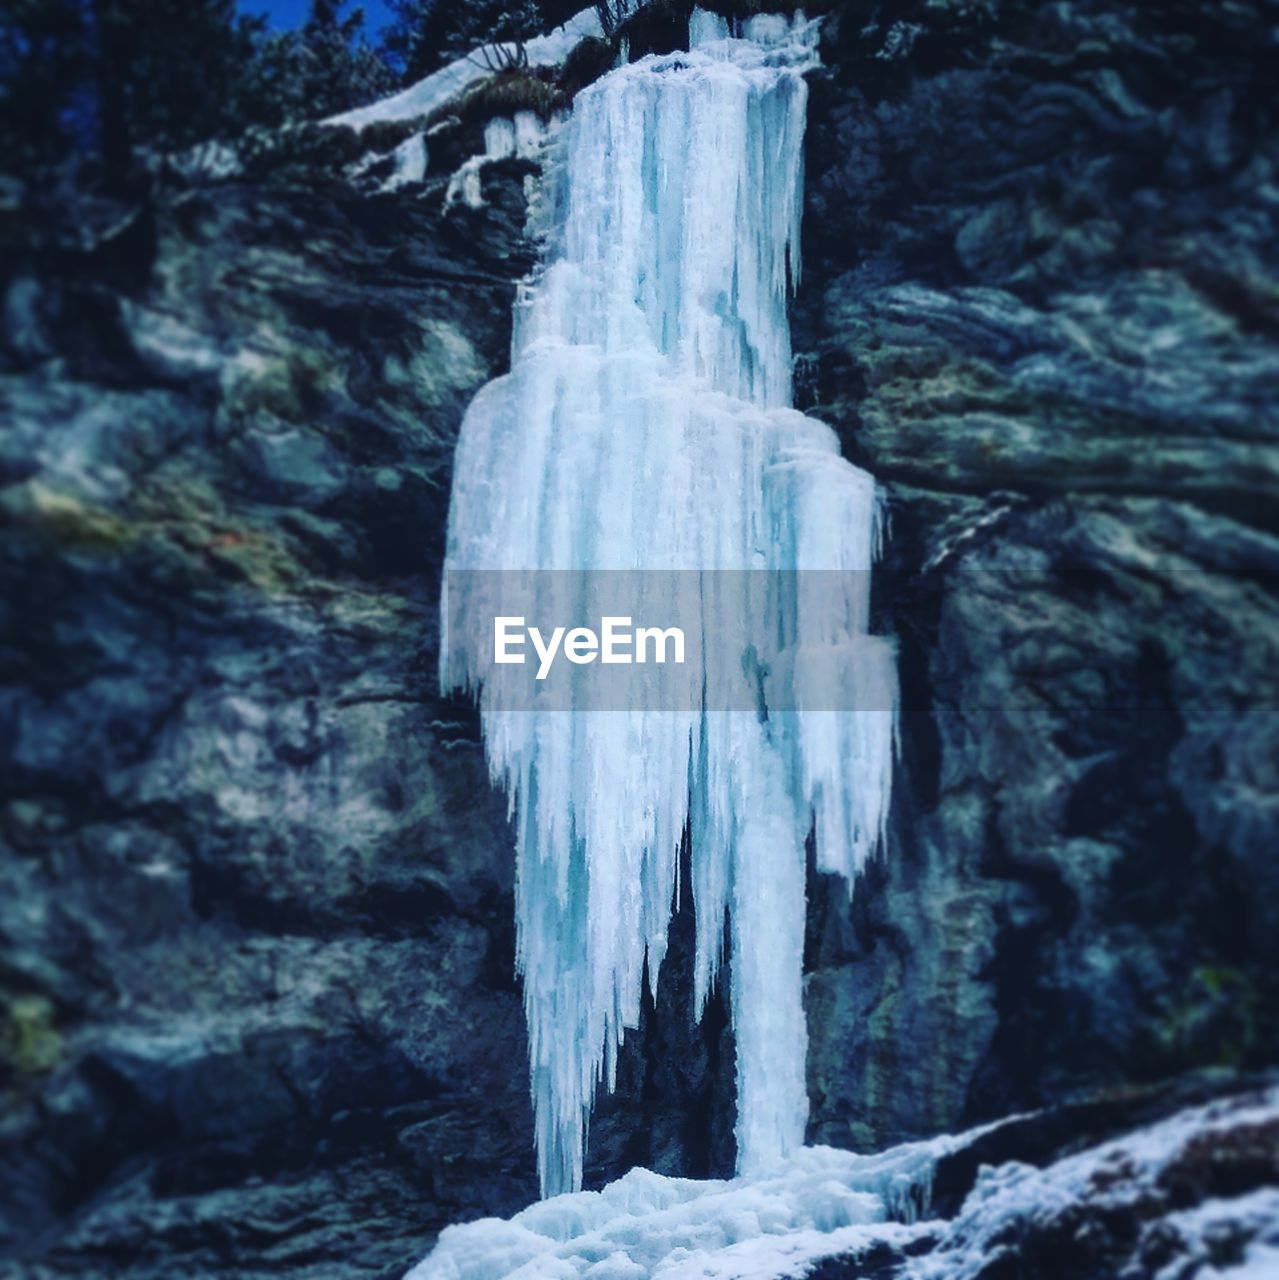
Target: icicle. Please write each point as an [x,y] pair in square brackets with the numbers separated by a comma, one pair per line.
[645,425]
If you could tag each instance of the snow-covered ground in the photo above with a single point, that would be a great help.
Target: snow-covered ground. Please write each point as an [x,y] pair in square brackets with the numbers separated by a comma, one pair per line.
[819,1202]
[1147,1206]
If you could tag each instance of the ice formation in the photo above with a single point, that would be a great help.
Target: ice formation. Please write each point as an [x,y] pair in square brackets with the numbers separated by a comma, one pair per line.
[646,424]
[522,136]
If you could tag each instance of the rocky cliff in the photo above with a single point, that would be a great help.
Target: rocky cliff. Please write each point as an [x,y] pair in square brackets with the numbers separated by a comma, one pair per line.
[256,934]
[1040,307]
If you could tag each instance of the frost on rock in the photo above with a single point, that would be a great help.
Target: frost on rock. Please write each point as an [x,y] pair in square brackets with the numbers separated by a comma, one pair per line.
[646,424]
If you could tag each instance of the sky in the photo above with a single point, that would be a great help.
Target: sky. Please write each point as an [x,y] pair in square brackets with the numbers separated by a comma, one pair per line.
[290,13]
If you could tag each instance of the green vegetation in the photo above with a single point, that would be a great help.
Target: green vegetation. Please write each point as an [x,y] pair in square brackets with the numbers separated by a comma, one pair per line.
[29,1041]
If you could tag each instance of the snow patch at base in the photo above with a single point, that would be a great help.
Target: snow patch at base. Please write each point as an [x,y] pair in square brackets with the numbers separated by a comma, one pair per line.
[1120,1198]
[822,1201]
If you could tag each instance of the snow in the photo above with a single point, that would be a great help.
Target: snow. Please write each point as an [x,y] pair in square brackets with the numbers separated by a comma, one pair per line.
[1200,1230]
[646,425]
[1260,1262]
[409,161]
[821,1201]
[212,161]
[1120,1174]
[444,85]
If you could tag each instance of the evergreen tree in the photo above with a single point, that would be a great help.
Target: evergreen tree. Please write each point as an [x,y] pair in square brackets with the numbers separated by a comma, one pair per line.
[170,73]
[335,67]
[427,34]
[103,80]
[97,80]
[43,56]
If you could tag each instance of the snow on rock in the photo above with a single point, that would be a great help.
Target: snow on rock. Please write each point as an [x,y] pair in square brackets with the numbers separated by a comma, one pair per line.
[407,164]
[442,86]
[645,424]
[1247,1226]
[1118,1205]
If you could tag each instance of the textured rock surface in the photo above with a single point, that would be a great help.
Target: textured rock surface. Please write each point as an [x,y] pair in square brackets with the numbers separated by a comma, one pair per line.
[1196,1193]
[1039,304]
[255,923]
[255,927]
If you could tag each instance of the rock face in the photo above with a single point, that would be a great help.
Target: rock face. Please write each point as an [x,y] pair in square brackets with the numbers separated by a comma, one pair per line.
[1194,1194]
[256,922]
[256,941]
[1039,306]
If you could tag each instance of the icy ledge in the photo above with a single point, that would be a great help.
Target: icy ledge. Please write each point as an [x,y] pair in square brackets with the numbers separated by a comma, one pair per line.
[1192,1197]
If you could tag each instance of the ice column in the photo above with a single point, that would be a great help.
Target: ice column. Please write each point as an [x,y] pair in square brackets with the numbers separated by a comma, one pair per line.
[645,424]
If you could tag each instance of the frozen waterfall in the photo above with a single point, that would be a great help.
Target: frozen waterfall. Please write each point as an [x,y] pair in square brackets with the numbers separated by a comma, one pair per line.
[646,425]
